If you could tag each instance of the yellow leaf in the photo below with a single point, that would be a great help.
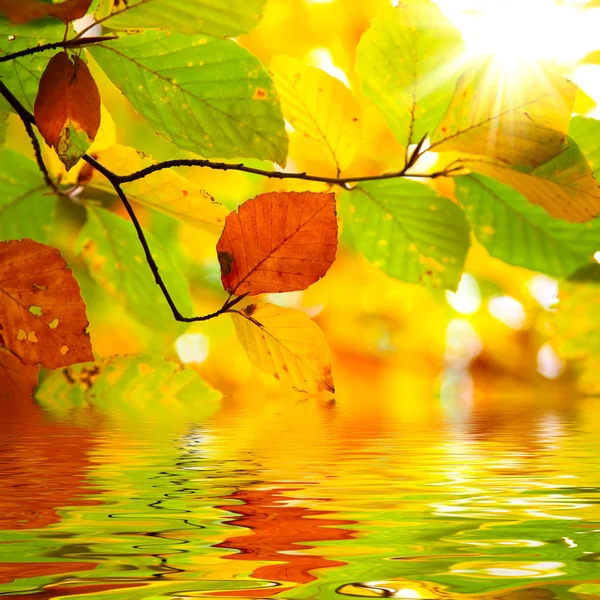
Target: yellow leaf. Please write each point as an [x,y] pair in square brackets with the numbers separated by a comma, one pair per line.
[564,186]
[287,344]
[165,190]
[583,103]
[319,107]
[517,117]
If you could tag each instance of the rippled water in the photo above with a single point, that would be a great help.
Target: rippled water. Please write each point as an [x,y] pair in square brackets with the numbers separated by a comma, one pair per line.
[304,499]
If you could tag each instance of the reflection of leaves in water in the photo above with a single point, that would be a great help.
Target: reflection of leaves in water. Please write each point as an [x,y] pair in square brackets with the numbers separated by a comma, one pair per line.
[278,525]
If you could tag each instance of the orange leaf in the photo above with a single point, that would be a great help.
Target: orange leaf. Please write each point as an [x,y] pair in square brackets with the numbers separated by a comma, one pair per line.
[23,11]
[16,379]
[67,107]
[278,242]
[42,314]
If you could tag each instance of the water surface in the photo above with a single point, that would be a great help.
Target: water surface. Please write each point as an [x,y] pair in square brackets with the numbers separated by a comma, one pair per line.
[304,499]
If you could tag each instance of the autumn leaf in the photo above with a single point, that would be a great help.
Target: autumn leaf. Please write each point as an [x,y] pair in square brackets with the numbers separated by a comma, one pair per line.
[495,115]
[67,107]
[17,380]
[564,186]
[136,383]
[166,191]
[23,11]
[42,314]
[287,344]
[278,242]
[320,108]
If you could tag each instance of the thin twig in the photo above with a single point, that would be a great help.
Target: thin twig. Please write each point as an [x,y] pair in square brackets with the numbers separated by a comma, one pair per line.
[64,44]
[222,166]
[112,178]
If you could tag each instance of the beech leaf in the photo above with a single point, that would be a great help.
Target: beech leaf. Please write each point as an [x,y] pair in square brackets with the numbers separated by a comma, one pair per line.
[213,17]
[287,344]
[17,380]
[408,63]
[319,107]
[166,190]
[67,107]
[495,115]
[564,185]
[42,315]
[278,242]
[23,11]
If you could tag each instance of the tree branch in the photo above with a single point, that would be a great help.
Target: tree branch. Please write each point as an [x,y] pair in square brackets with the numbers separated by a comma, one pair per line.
[222,166]
[64,44]
[113,179]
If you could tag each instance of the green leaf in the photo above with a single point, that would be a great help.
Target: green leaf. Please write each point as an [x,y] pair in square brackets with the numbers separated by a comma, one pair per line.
[22,75]
[408,230]
[586,132]
[3,127]
[115,259]
[206,95]
[407,62]
[129,383]
[494,114]
[522,234]
[26,206]
[219,18]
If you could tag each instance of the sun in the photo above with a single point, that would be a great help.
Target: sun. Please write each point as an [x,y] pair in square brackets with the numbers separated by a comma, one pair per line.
[517,31]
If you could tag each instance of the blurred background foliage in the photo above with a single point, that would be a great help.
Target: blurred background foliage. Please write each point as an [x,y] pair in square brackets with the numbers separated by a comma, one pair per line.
[503,323]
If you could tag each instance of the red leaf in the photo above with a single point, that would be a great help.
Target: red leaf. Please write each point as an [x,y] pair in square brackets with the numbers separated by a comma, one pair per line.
[278,242]
[16,379]
[42,314]
[23,11]
[67,107]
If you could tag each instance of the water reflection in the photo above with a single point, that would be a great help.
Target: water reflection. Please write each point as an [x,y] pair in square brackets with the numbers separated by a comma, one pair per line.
[281,530]
[274,497]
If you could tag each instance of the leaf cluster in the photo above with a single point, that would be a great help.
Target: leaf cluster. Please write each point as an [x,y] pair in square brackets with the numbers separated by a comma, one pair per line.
[519,172]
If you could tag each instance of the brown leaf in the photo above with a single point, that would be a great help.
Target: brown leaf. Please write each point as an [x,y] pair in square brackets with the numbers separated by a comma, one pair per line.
[278,242]
[23,11]
[42,314]
[287,344]
[16,379]
[67,107]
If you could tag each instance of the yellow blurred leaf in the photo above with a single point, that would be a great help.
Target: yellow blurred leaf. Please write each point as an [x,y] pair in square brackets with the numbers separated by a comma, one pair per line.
[564,186]
[593,58]
[287,344]
[165,190]
[517,117]
[319,107]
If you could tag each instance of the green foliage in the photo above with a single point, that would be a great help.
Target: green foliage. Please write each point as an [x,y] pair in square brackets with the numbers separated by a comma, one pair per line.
[206,95]
[409,231]
[26,208]
[213,17]
[521,233]
[408,65]
[116,262]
